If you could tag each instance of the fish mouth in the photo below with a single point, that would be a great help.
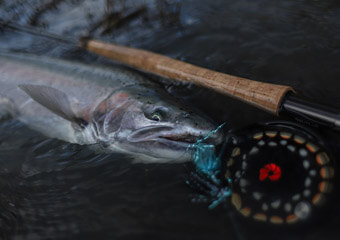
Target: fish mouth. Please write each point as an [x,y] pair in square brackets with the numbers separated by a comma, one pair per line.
[172,136]
[186,138]
[174,143]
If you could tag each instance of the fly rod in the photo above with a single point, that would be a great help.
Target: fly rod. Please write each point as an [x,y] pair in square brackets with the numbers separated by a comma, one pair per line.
[273,98]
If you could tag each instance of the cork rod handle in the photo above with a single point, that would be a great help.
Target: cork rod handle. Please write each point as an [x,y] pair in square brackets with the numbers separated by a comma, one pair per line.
[266,96]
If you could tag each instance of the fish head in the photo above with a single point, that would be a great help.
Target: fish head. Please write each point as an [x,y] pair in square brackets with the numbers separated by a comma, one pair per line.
[151,122]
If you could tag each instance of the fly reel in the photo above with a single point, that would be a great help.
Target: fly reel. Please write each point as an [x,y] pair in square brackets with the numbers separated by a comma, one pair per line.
[280,172]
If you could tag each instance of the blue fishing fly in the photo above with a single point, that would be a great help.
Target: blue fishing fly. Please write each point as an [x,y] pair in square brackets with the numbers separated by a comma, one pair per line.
[208,167]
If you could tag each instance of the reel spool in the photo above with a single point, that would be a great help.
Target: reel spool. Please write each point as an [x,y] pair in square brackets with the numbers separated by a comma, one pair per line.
[281,173]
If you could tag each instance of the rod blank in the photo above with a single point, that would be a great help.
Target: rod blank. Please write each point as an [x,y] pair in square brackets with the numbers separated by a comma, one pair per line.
[273,98]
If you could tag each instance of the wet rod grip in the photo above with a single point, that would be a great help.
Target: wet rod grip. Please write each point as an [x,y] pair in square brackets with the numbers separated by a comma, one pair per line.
[266,96]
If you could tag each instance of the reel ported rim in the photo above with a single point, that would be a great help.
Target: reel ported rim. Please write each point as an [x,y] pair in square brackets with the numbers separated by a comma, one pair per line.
[281,172]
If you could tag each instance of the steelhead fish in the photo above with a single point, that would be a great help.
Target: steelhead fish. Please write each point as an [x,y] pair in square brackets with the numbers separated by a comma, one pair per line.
[88,104]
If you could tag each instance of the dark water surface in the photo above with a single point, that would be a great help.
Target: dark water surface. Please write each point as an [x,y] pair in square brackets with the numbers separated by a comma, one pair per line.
[50,189]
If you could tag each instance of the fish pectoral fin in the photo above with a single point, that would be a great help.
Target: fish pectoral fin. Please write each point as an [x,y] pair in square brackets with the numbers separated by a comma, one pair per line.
[54,100]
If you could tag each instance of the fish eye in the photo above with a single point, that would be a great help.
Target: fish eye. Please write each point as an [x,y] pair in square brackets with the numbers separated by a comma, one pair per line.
[156,116]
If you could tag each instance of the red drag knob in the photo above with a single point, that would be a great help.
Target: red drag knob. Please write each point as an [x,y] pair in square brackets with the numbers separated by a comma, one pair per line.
[271,171]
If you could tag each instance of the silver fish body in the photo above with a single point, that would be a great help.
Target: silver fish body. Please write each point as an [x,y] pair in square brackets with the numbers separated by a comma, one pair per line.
[88,104]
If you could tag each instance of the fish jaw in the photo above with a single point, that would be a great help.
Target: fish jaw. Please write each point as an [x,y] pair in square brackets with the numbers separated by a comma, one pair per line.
[191,136]
[167,144]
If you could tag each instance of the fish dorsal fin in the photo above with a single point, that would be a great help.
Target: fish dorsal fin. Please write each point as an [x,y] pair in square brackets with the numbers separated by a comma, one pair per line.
[53,99]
